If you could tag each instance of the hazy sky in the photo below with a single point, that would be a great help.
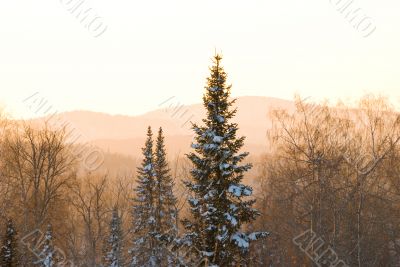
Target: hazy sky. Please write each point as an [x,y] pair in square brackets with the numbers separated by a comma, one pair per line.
[153,50]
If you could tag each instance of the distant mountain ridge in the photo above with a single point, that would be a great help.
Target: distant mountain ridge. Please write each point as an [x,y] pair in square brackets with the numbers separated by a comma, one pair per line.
[125,134]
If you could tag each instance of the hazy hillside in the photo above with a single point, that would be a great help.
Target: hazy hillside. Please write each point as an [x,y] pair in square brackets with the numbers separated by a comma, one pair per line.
[125,134]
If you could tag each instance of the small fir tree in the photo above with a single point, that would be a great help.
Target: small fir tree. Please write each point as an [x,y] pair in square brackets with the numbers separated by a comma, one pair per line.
[114,256]
[48,249]
[9,256]
[144,251]
[165,203]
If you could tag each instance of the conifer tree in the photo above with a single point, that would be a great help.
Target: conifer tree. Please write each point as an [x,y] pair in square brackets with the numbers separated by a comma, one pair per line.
[9,257]
[165,203]
[219,202]
[47,259]
[114,256]
[144,251]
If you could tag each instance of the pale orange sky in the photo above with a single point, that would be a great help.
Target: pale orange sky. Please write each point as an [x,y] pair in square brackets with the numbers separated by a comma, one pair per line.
[152,50]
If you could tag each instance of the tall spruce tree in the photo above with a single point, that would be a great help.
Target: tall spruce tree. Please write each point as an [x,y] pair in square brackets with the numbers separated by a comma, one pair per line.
[165,203]
[114,256]
[9,257]
[219,201]
[144,251]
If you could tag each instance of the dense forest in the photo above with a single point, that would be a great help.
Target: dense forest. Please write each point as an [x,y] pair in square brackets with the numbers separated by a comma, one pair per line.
[325,193]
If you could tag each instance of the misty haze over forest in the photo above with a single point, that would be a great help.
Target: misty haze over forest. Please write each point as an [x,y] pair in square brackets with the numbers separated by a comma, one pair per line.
[199,134]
